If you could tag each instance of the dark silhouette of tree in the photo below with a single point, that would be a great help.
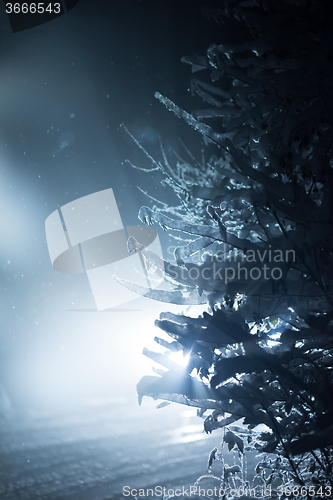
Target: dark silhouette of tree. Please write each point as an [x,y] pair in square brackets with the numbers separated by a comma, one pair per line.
[259,213]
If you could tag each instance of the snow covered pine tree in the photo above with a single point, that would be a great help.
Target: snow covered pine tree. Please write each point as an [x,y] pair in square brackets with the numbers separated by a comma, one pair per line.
[262,209]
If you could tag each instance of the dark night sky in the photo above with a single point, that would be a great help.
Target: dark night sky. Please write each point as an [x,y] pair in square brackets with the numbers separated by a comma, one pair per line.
[65,88]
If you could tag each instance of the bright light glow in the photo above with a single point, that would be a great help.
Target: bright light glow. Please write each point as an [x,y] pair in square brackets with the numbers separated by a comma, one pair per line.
[179,358]
[188,434]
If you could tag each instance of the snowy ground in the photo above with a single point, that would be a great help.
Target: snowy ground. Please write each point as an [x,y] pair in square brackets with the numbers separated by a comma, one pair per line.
[93,452]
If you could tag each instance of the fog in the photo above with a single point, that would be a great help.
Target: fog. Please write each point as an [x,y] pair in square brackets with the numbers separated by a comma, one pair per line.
[66,87]
[71,427]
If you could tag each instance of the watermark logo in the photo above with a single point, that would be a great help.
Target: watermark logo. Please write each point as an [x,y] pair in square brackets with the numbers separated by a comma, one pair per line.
[87,235]
[259,264]
[197,491]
